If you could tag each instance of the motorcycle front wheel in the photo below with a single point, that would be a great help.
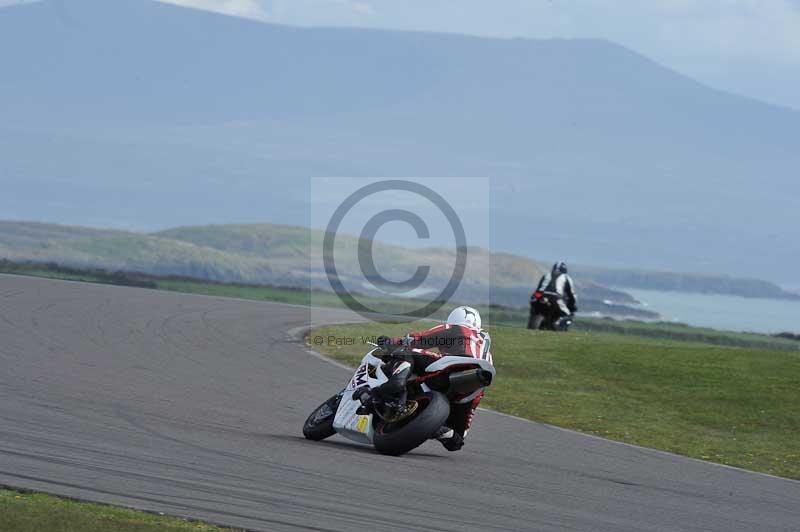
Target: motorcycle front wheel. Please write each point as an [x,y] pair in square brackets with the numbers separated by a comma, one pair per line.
[399,438]
[319,424]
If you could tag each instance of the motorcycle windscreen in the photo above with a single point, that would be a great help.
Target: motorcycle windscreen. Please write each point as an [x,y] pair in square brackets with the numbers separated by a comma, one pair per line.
[348,422]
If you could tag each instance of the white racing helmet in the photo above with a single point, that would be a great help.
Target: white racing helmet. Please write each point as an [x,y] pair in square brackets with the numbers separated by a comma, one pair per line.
[466,316]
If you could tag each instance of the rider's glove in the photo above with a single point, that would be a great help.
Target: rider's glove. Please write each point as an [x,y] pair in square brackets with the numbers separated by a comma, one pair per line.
[363,394]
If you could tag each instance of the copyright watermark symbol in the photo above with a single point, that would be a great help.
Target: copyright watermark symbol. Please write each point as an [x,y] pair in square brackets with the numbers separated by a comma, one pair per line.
[389,273]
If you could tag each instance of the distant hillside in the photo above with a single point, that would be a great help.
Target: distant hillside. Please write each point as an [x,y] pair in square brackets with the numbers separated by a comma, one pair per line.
[138,114]
[282,255]
[512,276]
[125,251]
[686,282]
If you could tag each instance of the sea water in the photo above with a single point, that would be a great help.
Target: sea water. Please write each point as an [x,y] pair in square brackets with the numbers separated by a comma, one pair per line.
[732,313]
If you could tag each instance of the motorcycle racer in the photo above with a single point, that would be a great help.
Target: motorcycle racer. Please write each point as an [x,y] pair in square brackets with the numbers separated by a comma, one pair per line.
[558,283]
[461,335]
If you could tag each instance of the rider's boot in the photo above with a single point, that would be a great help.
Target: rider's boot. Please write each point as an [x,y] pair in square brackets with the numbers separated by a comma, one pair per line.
[394,391]
[452,440]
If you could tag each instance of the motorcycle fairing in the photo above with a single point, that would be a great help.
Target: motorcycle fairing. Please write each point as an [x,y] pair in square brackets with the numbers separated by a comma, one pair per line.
[348,422]
[447,361]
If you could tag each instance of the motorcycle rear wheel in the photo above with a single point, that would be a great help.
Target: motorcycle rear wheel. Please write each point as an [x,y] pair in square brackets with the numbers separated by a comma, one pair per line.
[319,424]
[399,438]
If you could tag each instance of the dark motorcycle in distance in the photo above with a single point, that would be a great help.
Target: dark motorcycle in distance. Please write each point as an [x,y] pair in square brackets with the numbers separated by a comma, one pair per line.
[546,314]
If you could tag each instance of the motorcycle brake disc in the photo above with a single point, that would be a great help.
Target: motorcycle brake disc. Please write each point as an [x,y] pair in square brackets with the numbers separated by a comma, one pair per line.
[410,408]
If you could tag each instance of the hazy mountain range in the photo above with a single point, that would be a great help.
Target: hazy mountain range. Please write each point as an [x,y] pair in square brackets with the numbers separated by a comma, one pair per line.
[136,114]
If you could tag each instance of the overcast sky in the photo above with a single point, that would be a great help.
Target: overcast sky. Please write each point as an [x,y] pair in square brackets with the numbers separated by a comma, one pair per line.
[750,47]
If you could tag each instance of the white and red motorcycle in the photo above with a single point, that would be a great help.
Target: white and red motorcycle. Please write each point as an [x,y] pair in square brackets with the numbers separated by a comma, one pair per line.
[450,379]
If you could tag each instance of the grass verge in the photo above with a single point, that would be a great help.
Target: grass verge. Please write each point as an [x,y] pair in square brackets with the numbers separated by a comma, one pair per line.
[736,406]
[37,512]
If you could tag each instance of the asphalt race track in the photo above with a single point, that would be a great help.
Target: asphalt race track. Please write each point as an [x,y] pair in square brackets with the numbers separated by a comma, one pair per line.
[193,406]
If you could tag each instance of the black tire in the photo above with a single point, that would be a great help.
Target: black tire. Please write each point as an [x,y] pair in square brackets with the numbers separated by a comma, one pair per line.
[319,424]
[398,438]
[562,325]
[537,322]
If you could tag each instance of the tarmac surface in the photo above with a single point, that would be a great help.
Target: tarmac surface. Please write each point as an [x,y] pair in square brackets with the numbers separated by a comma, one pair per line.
[193,406]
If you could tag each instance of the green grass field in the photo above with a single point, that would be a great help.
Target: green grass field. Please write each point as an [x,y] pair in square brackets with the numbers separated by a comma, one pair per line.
[36,512]
[736,406]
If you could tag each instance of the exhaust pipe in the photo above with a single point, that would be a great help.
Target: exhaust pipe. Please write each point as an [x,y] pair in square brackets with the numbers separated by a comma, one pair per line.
[470,380]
